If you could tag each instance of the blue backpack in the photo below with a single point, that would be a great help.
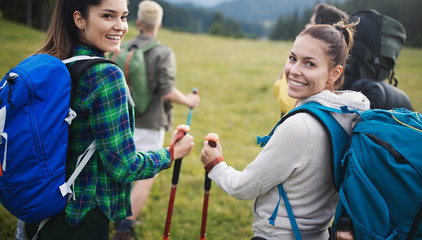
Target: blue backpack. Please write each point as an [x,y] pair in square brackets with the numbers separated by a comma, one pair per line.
[382,188]
[34,121]
[377,172]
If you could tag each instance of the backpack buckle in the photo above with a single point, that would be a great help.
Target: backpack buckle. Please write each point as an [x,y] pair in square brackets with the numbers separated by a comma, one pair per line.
[70,116]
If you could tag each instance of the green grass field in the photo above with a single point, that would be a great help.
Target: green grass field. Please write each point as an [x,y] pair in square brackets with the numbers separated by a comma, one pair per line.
[235,78]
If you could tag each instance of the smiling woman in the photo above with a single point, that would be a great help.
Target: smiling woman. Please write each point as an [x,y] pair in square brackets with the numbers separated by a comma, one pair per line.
[104,116]
[105,26]
[307,67]
[88,22]
[297,155]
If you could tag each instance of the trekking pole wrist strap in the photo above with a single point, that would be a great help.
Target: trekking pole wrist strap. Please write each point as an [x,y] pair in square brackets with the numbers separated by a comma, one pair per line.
[171,152]
[212,164]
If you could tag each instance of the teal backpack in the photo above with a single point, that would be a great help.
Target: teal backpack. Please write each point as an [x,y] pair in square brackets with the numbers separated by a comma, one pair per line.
[131,60]
[377,172]
[382,188]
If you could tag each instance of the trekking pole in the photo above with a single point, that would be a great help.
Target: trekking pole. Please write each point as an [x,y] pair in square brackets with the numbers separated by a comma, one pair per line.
[176,172]
[212,141]
[181,131]
[195,91]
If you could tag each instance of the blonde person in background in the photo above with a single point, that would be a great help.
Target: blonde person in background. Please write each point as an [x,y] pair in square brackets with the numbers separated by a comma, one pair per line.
[323,14]
[151,125]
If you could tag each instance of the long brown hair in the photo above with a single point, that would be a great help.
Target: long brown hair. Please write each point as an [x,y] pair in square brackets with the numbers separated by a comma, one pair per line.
[62,33]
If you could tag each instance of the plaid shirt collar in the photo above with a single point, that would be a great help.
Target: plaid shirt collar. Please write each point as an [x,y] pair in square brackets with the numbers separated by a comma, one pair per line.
[85,50]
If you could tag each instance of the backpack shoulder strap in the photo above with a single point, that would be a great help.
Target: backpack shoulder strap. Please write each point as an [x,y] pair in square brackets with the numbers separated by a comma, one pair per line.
[295,228]
[81,63]
[144,49]
[337,136]
[83,159]
[149,46]
[323,115]
[132,48]
[339,141]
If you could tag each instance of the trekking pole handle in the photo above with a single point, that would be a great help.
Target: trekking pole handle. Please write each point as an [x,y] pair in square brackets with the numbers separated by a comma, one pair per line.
[195,90]
[212,139]
[181,131]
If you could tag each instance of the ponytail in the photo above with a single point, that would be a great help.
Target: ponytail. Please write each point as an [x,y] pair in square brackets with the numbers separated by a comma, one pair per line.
[347,30]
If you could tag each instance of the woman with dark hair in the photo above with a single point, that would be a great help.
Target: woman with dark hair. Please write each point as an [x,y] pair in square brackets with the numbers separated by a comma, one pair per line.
[297,155]
[327,14]
[101,193]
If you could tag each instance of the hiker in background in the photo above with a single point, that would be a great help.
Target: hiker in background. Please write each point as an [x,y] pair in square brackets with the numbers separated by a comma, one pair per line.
[323,14]
[298,153]
[104,114]
[151,125]
[327,14]
[378,43]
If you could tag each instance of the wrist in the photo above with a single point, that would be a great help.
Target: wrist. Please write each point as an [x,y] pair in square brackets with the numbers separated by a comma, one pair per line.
[171,152]
[212,164]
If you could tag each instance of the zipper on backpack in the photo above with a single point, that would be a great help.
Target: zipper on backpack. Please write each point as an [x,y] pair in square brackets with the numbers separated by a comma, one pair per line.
[33,119]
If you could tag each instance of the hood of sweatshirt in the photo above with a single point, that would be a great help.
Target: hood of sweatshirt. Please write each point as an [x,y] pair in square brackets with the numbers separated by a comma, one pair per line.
[337,99]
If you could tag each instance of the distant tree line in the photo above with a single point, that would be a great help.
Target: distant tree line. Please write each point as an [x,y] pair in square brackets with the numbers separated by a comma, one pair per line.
[38,16]
[407,12]
[287,27]
[225,27]
[202,21]
[37,13]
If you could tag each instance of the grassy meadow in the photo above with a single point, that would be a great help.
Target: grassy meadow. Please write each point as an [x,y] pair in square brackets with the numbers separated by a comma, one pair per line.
[234,77]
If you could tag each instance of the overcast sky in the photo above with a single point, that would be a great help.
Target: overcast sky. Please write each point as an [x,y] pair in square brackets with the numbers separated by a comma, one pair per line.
[204,3]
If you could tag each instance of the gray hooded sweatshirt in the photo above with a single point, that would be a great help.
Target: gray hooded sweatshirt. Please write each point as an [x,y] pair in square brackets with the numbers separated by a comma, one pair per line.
[297,155]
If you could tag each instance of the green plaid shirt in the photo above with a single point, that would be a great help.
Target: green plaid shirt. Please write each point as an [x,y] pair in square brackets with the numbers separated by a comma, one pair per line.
[104,115]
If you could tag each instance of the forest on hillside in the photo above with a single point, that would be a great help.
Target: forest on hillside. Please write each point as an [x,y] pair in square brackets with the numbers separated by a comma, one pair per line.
[407,12]
[36,13]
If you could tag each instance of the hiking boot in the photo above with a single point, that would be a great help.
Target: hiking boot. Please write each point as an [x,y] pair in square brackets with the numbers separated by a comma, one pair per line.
[124,230]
